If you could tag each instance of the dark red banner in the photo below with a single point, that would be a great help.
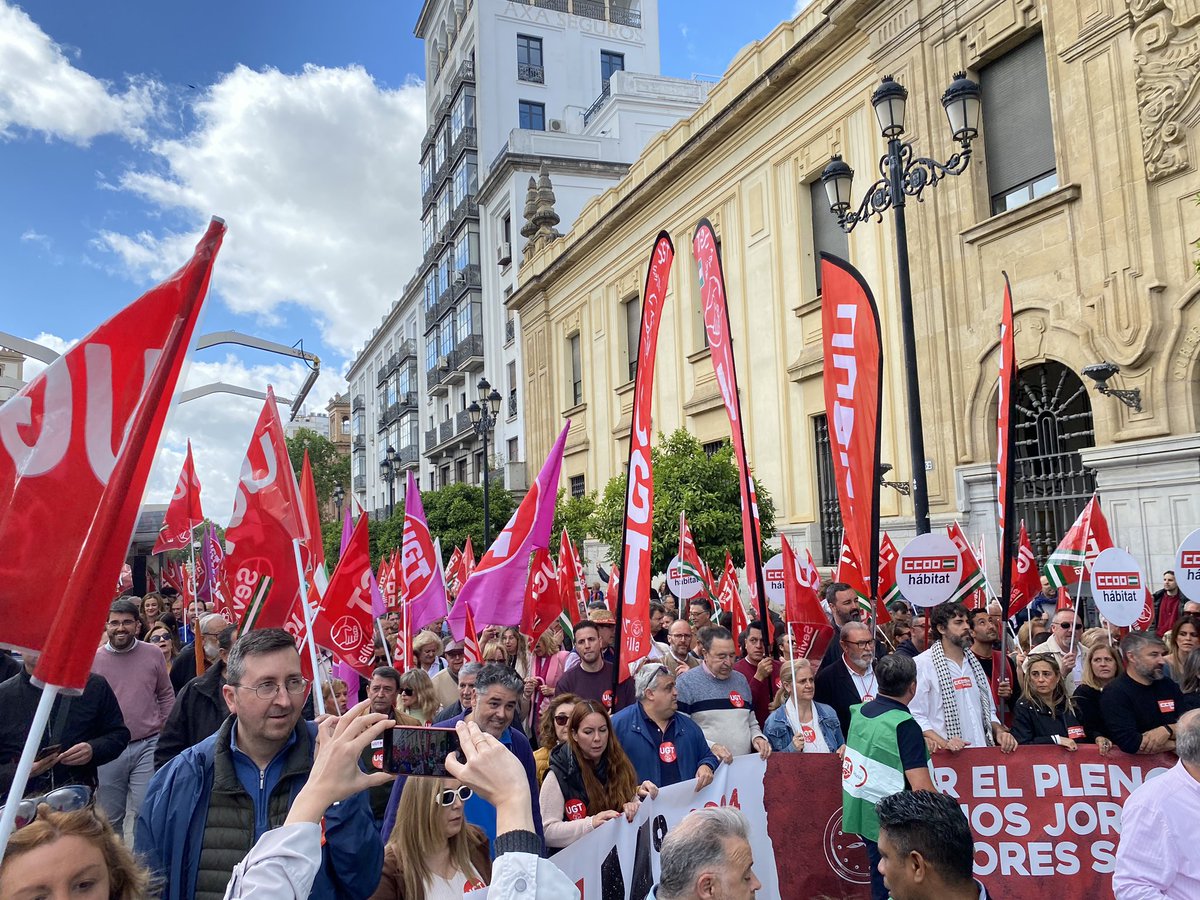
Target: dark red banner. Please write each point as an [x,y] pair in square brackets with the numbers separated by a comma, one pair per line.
[1046,821]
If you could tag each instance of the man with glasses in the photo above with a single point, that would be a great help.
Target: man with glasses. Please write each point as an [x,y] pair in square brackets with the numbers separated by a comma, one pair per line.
[1065,630]
[137,673]
[848,679]
[206,808]
[445,682]
[200,707]
[719,700]
[183,667]
[664,748]
[679,641]
[465,701]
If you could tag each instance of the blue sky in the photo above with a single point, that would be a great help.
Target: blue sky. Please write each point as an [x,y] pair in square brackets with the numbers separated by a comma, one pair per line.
[124,125]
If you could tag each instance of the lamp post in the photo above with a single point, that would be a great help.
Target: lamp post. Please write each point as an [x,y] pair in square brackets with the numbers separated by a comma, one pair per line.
[903,175]
[339,497]
[388,470]
[484,413]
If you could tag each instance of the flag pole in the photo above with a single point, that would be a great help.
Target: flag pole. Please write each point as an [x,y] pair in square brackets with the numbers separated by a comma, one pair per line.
[197,638]
[41,716]
[792,663]
[318,699]
[387,653]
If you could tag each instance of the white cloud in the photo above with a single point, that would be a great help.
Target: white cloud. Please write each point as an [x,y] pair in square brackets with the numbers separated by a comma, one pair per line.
[41,91]
[316,176]
[800,6]
[34,367]
[44,243]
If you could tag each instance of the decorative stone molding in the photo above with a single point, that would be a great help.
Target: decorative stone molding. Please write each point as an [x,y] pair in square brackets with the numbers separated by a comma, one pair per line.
[1166,58]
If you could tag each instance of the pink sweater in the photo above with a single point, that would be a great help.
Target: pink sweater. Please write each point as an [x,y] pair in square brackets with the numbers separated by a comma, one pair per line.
[139,679]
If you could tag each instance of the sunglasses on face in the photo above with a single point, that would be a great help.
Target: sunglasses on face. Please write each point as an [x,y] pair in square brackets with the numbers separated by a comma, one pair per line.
[562,719]
[64,799]
[446,797]
[406,692]
[158,639]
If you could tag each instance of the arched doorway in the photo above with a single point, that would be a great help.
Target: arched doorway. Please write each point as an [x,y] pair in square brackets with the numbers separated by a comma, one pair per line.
[1053,424]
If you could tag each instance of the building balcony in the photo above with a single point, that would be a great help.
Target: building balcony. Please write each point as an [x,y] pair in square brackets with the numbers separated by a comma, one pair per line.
[408,456]
[510,330]
[387,415]
[431,439]
[360,482]
[467,208]
[464,280]
[359,442]
[531,73]
[407,400]
[431,253]
[359,402]
[468,355]
[444,303]
[512,404]
[589,9]
[406,351]
[464,75]
[619,15]
[438,378]
[382,374]
[467,140]
[597,104]
[445,431]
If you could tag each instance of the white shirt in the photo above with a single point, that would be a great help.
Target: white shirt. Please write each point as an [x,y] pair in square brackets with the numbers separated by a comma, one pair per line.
[1158,857]
[814,740]
[865,684]
[926,706]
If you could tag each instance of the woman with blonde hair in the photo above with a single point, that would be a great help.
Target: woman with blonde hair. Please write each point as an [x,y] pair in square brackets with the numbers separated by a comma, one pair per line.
[801,724]
[417,697]
[433,853]
[334,692]
[63,848]
[516,650]
[590,781]
[493,652]
[163,638]
[545,668]
[553,731]
[1045,713]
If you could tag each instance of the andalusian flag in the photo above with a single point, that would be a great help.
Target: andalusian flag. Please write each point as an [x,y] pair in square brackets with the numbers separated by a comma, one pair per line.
[889,590]
[973,578]
[1080,546]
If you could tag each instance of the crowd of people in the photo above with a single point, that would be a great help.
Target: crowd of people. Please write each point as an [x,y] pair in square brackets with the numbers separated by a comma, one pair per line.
[194,766]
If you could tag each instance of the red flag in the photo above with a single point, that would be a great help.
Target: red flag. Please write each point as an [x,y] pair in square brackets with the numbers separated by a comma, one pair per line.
[850,572]
[389,585]
[344,624]
[471,649]
[811,631]
[1080,546]
[739,622]
[542,603]
[466,562]
[452,570]
[172,575]
[76,447]
[889,590]
[853,394]
[572,591]
[183,512]
[689,558]
[1027,584]
[314,548]
[266,520]
[727,589]
[717,329]
[972,575]
[1064,600]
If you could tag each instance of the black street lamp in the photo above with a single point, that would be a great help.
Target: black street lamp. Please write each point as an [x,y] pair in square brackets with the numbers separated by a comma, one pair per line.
[388,470]
[904,175]
[484,413]
[339,497]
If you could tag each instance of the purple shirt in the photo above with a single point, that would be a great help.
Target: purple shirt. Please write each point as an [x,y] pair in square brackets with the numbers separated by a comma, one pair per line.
[139,679]
[1159,857]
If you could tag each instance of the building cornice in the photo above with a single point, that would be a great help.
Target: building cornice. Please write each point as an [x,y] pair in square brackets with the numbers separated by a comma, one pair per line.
[511,163]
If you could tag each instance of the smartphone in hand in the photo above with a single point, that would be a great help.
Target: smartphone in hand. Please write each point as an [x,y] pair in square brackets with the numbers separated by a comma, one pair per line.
[419,751]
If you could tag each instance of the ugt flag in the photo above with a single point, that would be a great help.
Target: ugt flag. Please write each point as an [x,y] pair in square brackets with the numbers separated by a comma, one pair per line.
[76,447]
[184,512]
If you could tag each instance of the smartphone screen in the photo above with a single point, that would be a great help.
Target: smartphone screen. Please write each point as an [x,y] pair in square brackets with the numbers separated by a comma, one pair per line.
[48,751]
[413,750]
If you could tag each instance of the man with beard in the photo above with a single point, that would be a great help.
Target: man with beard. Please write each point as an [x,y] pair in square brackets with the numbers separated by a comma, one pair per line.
[953,704]
[844,608]
[200,707]
[848,679]
[592,679]
[183,667]
[1142,706]
[985,631]
[137,673]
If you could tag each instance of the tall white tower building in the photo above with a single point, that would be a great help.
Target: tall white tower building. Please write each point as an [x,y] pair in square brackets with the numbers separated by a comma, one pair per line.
[565,89]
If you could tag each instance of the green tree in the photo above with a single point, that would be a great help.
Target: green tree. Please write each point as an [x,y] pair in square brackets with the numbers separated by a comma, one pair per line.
[452,512]
[329,467]
[574,514]
[706,487]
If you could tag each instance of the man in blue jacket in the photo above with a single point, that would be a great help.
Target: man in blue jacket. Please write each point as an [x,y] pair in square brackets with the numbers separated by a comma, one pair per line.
[204,810]
[665,746]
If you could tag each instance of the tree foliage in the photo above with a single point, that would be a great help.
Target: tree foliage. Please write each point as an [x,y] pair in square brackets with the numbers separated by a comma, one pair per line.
[705,487]
[575,514]
[329,467]
[453,512]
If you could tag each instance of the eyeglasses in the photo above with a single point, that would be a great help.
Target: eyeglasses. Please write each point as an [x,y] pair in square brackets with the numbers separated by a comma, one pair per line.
[269,689]
[64,799]
[446,797]
[861,645]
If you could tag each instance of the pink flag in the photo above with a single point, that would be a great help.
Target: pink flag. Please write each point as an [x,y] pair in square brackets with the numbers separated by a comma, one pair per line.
[496,588]
[423,587]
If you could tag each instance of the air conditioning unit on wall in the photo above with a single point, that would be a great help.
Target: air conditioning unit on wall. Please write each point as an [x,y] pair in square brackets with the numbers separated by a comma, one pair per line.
[504,253]
[555,124]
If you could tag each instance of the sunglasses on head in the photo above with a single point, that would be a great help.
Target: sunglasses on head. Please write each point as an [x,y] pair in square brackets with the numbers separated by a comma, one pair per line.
[446,797]
[64,799]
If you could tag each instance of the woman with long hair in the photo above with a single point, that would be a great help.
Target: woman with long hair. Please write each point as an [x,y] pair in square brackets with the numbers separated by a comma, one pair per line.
[590,781]
[1189,681]
[1045,714]
[800,723]
[493,652]
[151,607]
[1101,667]
[433,853]
[163,638]
[553,731]
[545,668]
[334,692]
[516,650]
[1182,640]
[417,697]
[63,847]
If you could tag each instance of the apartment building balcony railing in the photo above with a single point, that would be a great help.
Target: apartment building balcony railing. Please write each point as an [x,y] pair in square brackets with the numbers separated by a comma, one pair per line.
[467,208]
[468,354]
[432,251]
[589,9]
[445,431]
[359,402]
[431,439]
[462,423]
[445,303]
[512,405]
[597,104]
[531,73]
[619,15]
[468,139]
[407,350]
[359,442]
[510,330]
[408,455]
[407,400]
[465,279]
[556,5]
[382,374]
[360,482]
[388,415]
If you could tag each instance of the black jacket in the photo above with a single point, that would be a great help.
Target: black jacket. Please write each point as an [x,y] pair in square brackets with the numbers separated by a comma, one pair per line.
[836,688]
[199,711]
[1131,709]
[183,666]
[1033,724]
[94,717]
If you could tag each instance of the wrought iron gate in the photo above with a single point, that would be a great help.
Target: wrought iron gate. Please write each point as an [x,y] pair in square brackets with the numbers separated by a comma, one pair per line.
[1053,424]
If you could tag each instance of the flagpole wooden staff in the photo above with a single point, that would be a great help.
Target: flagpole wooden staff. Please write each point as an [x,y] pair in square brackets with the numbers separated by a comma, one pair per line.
[318,699]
